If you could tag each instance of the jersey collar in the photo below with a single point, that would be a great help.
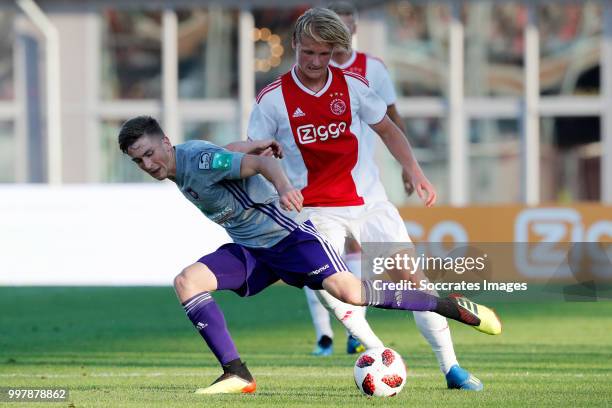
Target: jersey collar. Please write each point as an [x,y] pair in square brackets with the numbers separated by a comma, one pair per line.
[306,89]
[348,63]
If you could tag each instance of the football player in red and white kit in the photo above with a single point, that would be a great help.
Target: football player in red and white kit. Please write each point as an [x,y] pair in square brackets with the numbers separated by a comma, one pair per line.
[321,116]
[374,70]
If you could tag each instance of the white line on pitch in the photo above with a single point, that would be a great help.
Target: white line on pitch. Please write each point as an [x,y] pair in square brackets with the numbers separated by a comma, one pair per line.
[271,374]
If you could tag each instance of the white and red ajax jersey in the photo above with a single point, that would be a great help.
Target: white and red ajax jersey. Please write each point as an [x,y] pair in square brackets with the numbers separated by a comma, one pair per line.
[322,134]
[374,70]
[377,75]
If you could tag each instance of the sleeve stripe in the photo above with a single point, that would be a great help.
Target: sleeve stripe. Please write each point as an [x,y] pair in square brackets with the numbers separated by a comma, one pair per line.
[357,76]
[271,84]
[267,89]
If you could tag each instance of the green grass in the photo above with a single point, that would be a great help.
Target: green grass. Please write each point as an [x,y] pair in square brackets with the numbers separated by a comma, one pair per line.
[134,347]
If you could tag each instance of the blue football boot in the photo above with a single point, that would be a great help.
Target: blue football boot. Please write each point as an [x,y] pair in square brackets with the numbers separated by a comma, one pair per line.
[353,346]
[460,379]
[324,347]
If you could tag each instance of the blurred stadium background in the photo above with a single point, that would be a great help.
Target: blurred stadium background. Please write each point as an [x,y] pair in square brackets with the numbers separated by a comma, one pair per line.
[506,101]
[508,105]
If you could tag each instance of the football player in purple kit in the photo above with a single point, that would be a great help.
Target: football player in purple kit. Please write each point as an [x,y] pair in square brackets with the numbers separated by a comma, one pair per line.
[251,197]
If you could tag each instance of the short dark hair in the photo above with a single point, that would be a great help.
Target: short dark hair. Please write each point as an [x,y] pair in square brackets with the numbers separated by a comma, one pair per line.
[135,128]
[343,8]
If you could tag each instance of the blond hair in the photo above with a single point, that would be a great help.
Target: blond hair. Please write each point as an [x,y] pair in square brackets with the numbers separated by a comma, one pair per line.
[322,25]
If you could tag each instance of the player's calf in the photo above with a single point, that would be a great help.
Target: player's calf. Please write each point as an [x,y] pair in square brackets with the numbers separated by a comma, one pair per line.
[193,286]
[208,319]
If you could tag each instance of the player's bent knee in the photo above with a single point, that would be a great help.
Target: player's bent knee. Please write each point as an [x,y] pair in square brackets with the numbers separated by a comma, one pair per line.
[196,277]
[181,282]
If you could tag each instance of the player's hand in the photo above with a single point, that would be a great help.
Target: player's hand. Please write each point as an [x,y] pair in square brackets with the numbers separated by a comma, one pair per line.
[268,148]
[425,190]
[291,199]
[408,187]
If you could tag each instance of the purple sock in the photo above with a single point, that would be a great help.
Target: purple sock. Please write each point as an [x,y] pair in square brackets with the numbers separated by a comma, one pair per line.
[208,319]
[381,297]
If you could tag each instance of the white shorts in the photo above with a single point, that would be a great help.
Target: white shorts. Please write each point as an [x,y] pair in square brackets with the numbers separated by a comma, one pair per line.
[373,222]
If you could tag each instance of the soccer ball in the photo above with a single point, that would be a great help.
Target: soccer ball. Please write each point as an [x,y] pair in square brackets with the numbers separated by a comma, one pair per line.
[380,372]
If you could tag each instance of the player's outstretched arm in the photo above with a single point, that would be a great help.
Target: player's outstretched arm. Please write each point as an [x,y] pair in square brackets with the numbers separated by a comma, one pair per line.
[290,197]
[266,147]
[398,145]
[395,117]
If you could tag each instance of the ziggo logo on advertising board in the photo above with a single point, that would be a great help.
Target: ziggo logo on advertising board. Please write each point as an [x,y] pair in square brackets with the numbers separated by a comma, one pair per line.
[547,241]
[560,244]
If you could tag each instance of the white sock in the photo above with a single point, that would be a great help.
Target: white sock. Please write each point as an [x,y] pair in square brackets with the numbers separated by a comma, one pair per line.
[353,263]
[437,333]
[352,319]
[435,330]
[319,314]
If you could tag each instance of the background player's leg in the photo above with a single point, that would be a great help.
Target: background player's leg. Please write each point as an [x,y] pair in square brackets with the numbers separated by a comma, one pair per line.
[321,323]
[435,330]
[352,317]
[384,224]
[433,327]
[353,262]
[352,259]
[437,333]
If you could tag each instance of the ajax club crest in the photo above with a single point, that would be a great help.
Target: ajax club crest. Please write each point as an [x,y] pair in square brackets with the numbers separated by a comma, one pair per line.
[337,106]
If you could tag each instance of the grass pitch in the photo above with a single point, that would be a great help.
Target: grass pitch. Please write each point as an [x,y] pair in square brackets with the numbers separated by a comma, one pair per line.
[134,347]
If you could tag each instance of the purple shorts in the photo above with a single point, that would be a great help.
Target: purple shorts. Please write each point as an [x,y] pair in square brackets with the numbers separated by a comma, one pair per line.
[303,258]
